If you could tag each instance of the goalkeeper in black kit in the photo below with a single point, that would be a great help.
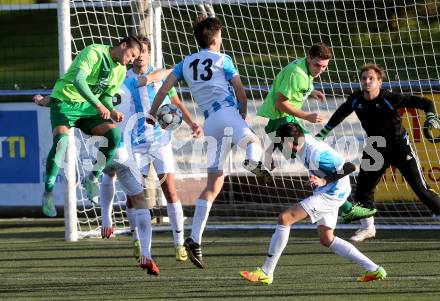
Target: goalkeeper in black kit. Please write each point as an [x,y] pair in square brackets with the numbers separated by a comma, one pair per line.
[376,109]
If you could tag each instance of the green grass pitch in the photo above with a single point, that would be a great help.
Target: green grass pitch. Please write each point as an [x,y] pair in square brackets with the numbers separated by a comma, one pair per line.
[37,264]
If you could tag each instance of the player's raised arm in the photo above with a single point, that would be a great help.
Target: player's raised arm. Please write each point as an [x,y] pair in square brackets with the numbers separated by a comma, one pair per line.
[153,77]
[412,101]
[422,103]
[341,113]
[161,94]
[158,75]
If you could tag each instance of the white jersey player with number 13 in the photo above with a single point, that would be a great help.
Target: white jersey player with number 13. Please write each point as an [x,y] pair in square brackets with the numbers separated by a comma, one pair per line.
[209,75]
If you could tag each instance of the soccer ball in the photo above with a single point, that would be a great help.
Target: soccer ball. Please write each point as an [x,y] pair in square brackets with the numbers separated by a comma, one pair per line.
[169,117]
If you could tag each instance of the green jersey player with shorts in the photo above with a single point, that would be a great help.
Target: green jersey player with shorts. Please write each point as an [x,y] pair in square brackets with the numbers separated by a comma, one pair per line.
[82,98]
[292,86]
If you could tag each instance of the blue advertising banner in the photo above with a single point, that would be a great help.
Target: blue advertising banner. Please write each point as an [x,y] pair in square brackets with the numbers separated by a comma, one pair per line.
[19,151]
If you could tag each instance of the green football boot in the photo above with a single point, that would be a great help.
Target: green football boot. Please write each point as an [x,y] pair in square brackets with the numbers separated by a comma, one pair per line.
[257,276]
[48,205]
[357,212]
[379,274]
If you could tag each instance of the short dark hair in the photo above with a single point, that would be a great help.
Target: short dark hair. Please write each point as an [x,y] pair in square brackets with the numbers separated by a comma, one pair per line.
[379,71]
[131,41]
[286,131]
[144,40]
[205,29]
[321,51]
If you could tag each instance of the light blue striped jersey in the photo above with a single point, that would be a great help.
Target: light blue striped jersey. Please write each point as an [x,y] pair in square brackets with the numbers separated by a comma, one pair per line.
[137,101]
[322,160]
[207,74]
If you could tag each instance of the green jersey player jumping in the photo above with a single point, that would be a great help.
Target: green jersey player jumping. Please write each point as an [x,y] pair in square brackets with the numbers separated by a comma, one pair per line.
[292,86]
[82,98]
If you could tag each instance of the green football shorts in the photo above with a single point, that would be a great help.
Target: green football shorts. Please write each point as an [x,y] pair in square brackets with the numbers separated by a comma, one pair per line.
[82,115]
[274,124]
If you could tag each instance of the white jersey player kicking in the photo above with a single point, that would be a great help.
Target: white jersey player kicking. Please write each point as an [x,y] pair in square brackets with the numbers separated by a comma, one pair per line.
[328,176]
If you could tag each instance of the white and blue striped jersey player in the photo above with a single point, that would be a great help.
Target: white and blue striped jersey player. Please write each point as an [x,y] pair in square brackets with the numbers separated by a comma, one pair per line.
[322,160]
[147,143]
[208,74]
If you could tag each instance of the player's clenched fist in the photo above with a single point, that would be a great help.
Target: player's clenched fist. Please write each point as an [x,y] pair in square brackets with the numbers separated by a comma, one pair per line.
[116,116]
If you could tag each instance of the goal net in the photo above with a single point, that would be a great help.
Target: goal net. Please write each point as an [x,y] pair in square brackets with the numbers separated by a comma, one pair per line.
[262,37]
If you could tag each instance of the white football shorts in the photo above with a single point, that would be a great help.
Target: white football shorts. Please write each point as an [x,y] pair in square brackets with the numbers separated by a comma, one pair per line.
[129,176]
[162,159]
[323,208]
[223,129]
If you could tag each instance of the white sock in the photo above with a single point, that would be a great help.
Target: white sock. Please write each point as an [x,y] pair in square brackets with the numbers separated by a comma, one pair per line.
[348,251]
[175,214]
[254,152]
[131,215]
[199,220]
[143,224]
[277,244]
[107,193]
[367,223]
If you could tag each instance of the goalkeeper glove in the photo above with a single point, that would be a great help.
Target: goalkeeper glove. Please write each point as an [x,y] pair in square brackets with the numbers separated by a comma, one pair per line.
[323,134]
[432,121]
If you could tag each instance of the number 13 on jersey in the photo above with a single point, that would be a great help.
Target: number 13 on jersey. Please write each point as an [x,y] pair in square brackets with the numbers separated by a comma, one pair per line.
[207,74]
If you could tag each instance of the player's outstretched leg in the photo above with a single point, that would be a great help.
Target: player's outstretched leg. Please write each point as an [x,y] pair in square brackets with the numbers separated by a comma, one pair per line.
[351,253]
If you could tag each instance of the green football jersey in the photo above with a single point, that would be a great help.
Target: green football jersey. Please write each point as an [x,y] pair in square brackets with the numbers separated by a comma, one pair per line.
[294,82]
[104,75]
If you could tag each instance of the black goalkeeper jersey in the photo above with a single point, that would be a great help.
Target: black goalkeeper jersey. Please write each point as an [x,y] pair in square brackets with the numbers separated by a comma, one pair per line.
[379,116]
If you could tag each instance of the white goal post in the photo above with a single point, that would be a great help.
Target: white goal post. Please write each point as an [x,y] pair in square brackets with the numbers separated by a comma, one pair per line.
[262,37]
